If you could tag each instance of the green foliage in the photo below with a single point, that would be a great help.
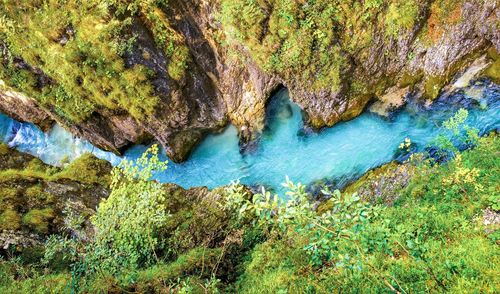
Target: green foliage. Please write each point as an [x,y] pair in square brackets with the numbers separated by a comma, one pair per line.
[127,222]
[296,215]
[454,122]
[432,237]
[429,241]
[80,46]
[60,252]
[458,133]
[17,278]
[312,41]
[494,202]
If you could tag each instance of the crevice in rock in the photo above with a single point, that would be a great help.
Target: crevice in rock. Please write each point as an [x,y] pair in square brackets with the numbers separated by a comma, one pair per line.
[249,139]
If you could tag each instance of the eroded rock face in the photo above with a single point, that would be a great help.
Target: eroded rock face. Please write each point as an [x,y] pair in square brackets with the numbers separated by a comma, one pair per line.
[244,88]
[406,61]
[22,108]
[38,201]
[219,87]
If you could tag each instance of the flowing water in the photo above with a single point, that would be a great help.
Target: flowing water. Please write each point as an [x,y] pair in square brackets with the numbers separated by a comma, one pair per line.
[342,152]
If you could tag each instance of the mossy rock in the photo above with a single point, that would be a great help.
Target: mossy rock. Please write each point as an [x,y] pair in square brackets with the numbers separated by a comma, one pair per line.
[33,195]
[493,71]
[36,196]
[433,86]
[39,219]
[10,220]
[87,169]
[4,149]
[8,197]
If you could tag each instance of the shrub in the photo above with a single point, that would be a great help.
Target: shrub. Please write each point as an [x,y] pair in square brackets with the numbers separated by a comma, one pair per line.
[127,222]
[296,215]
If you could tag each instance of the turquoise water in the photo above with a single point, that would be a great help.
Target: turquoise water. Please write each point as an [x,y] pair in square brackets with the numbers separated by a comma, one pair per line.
[340,153]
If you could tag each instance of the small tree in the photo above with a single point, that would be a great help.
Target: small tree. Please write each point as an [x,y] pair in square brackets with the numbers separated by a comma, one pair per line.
[127,223]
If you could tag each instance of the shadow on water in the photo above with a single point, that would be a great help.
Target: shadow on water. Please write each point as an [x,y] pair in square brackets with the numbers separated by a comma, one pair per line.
[334,156]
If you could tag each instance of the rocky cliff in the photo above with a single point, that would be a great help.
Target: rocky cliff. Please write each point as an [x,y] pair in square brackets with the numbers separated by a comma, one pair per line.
[38,200]
[122,72]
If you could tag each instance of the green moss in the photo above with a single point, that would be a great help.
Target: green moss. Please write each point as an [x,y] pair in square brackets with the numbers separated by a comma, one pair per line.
[401,16]
[13,175]
[39,219]
[178,64]
[4,149]
[36,165]
[35,196]
[276,266]
[10,220]
[8,197]
[493,71]
[194,262]
[87,169]
[433,86]
[410,79]
[80,47]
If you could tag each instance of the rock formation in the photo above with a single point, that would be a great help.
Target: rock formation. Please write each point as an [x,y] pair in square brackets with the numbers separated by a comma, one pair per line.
[219,82]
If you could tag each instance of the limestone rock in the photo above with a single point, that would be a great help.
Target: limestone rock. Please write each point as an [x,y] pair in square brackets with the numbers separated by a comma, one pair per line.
[219,87]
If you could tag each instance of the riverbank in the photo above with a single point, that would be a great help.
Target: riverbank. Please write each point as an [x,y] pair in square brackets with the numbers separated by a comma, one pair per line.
[334,155]
[439,234]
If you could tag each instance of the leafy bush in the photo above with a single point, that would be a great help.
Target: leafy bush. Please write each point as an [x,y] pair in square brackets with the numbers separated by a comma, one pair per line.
[432,238]
[127,222]
[457,134]
[296,215]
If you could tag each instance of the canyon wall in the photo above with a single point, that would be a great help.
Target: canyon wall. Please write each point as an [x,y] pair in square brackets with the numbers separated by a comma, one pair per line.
[130,71]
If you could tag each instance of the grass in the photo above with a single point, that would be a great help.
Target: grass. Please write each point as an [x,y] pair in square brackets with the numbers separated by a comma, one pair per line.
[313,42]
[435,240]
[431,239]
[75,54]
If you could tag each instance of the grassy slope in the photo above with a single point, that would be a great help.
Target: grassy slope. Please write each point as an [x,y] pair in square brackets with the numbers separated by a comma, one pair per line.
[436,240]
[431,239]
[74,53]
